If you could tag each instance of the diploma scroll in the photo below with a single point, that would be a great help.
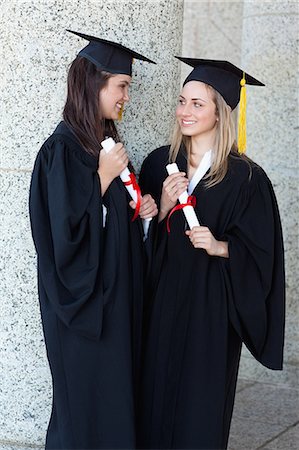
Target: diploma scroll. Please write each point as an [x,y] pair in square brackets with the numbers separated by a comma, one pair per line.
[125,176]
[183,199]
[107,145]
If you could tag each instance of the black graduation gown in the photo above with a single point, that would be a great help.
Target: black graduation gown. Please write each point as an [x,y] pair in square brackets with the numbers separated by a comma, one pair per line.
[203,307]
[90,291]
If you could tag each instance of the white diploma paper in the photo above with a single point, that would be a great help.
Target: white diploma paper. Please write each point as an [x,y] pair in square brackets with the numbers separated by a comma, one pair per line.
[107,145]
[183,198]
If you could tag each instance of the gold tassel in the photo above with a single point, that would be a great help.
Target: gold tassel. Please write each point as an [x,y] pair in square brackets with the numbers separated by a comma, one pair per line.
[120,113]
[242,118]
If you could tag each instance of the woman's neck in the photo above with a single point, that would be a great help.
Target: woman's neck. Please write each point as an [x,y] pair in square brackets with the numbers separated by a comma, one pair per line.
[201,144]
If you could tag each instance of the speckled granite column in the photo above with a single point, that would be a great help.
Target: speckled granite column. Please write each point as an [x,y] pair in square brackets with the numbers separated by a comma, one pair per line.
[270,53]
[212,30]
[260,36]
[35,53]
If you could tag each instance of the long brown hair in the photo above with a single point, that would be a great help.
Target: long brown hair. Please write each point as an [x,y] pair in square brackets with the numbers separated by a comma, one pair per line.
[82,112]
[225,141]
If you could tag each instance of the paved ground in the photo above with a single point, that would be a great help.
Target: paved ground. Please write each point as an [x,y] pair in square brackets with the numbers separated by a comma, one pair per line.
[266,416]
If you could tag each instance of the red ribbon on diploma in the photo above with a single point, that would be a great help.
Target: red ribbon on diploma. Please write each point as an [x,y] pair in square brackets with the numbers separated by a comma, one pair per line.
[136,188]
[191,201]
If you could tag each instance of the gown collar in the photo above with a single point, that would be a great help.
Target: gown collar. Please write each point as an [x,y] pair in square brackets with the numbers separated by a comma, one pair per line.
[64,130]
[201,170]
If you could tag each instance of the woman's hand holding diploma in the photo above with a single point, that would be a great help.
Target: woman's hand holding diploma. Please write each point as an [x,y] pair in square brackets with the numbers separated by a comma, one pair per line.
[186,202]
[111,165]
[173,186]
[148,207]
[201,237]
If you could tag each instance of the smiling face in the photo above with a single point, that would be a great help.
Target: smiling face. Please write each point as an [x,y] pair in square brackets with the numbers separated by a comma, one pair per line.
[114,95]
[196,111]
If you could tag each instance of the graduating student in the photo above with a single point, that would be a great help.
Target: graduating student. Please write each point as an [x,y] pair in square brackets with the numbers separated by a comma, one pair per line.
[90,257]
[216,286]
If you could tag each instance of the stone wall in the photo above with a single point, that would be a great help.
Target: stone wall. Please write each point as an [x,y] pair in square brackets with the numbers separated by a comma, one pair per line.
[270,51]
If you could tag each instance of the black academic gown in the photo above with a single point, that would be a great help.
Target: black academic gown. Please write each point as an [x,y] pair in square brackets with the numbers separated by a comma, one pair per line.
[90,291]
[202,307]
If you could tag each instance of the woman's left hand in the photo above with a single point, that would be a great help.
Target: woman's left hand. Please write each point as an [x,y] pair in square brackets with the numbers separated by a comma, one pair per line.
[148,207]
[201,237]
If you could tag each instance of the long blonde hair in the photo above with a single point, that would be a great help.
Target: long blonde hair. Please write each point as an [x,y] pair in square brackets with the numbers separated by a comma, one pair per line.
[225,141]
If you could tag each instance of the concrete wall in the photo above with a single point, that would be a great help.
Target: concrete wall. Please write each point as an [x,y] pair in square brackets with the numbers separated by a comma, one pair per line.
[262,38]
[35,54]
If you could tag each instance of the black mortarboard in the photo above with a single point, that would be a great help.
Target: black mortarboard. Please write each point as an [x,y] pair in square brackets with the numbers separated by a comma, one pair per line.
[109,56]
[221,75]
[229,81]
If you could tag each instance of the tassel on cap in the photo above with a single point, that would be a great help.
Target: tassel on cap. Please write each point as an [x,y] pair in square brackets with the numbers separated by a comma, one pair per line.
[225,78]
[242,117]
[120,113]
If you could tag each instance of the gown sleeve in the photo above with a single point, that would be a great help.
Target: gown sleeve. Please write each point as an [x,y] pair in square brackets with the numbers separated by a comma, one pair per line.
[66,220]
[152,175]
[255,271]
[148,179]
[151,178]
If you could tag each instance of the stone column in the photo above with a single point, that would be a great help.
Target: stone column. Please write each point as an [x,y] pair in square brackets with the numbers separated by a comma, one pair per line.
[270,53]
[260,36]
[36,51]
[212,30]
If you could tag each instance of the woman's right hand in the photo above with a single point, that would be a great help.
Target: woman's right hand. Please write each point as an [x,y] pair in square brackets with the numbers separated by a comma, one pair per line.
[174,185]
[111,164]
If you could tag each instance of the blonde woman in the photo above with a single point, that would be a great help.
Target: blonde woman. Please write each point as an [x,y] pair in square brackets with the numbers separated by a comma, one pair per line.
[216,286]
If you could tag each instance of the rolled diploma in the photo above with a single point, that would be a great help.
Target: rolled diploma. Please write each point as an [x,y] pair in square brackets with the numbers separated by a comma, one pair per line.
[183,198]
[107,145]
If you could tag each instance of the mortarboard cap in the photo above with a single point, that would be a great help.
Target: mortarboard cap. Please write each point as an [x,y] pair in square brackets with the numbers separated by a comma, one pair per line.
[221,75]
[229,81]
[109,56]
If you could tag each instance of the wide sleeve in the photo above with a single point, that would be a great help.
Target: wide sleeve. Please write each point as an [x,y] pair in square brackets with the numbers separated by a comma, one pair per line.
[254,271]
[152,175]
[66,220]
[150,179]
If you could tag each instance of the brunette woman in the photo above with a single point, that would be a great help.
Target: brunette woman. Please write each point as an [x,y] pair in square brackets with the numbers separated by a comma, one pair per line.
[90,258]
